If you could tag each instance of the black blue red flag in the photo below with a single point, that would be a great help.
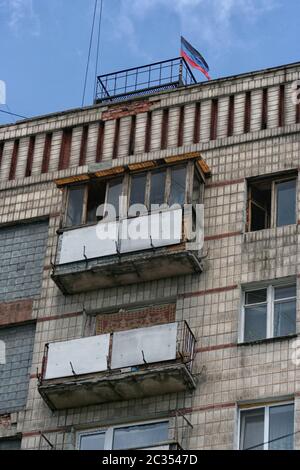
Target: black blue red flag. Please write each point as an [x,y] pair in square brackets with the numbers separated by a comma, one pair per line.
[193,57]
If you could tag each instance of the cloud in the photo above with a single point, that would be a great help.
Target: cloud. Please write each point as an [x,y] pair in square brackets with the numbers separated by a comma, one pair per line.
[209,20]
[21,16]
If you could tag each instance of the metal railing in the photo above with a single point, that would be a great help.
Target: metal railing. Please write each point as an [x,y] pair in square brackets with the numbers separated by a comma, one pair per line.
[186,346]
[144,80]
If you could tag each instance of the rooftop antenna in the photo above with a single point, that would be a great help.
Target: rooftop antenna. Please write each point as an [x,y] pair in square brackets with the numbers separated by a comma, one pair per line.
[90,47]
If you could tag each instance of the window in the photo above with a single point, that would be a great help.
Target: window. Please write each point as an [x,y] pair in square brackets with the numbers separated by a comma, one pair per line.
[269,312]
[271,203]
[178,184]
[158,183]
[114,192]
[75,206]
[12,443]
[267,428]
[83,201]
[126,437]
[165,185]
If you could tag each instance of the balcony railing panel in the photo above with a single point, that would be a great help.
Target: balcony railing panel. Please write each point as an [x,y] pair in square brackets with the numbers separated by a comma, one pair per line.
[128,235]
[144,346]
[77,357]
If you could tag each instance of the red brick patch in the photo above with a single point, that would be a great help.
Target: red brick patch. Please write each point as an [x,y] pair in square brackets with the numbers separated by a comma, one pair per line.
[138,318]
[15,312]
[126,110]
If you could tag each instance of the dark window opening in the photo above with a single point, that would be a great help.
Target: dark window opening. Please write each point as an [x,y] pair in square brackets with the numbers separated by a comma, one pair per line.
[260,205]
[271,203]
[96,198]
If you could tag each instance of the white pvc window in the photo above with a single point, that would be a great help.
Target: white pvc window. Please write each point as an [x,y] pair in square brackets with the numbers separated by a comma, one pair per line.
[137,436]
[268,312]
[267,428]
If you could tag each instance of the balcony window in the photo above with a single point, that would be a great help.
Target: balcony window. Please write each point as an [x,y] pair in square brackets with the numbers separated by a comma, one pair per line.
[267,428]
[167,185]
[96,197]
[114,192]
[271,202]
[269,312]
[178,185]
[74,215]
[158,184]
[138,189]
[126,437]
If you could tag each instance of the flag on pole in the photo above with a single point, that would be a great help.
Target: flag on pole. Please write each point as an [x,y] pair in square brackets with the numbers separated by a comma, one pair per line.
[193,57]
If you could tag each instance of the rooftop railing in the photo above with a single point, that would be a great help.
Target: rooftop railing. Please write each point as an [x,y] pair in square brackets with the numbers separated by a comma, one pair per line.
[144,80]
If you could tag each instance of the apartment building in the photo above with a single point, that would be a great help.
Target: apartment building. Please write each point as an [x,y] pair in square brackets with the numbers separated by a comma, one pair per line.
[113,343]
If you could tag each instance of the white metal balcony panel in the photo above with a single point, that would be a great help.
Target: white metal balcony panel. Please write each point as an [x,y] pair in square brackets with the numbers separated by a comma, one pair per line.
[85,355]
[140,233]
[94,241]
[154,230]
[157,343]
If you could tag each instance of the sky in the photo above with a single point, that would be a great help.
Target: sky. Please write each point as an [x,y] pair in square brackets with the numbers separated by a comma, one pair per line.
[44,43]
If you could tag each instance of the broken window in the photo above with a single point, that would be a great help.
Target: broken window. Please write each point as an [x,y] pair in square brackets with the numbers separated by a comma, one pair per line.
[269,312]
[271,203]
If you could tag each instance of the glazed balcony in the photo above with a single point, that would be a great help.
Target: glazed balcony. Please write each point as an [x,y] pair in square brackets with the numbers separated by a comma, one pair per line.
[150,236]
[87,260]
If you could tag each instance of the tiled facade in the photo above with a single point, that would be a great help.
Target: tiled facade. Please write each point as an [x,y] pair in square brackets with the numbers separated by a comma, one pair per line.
[228,374]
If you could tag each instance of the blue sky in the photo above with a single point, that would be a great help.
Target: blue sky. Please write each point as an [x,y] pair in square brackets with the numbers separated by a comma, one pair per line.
[44,43]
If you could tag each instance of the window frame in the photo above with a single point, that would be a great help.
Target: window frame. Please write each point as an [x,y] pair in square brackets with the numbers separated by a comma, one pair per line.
[192,172]
[270,308]
[266,408]
[109,433]
[274,180]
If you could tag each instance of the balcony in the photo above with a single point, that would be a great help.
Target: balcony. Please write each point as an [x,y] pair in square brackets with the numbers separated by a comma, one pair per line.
[108,255]
[121,366]
[144,80]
